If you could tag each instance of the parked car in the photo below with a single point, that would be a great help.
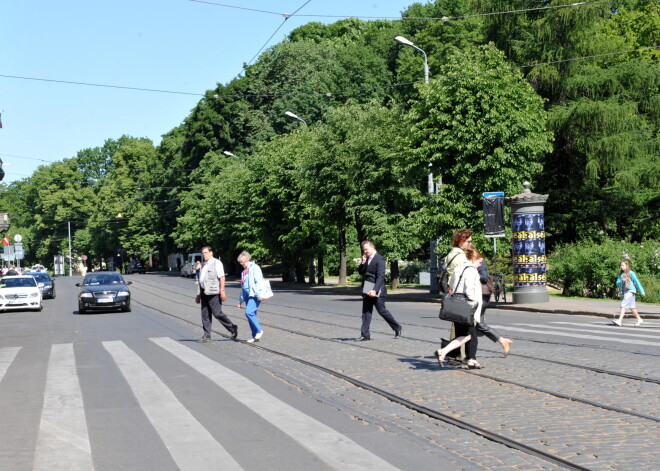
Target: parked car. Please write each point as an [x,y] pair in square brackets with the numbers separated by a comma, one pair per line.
[137,267]
[20,292]
[188,268]
[104,291]
[45,282]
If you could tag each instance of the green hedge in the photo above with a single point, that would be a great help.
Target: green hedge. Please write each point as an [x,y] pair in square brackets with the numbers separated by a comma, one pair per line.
[590,269]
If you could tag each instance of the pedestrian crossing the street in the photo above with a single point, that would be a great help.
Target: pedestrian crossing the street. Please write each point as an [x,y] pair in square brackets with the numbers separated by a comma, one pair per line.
[63,439]
[648,335]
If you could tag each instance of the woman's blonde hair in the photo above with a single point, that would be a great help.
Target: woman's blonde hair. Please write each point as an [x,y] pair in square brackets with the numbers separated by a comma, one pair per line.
[473,254]
[244,256]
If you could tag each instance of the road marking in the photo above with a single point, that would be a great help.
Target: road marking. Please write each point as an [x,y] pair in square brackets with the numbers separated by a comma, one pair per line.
[192,446]
[612,330]
[509,328]
[335,449]
[7,355]
[63,441]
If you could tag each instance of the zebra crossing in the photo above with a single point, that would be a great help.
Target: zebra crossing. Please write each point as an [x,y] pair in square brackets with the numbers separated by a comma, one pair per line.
[63,438]
[647,335]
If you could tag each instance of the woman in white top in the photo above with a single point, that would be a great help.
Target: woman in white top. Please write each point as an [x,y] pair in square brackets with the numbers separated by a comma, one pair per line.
[465,279]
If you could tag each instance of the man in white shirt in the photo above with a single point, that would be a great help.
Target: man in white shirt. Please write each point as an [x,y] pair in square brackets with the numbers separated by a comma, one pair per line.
[211,294]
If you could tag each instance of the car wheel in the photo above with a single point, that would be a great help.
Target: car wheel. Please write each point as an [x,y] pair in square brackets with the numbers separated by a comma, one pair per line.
[81,310]
[40,308]
[126,309]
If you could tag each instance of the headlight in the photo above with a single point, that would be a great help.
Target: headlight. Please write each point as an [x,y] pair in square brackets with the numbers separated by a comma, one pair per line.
[86,295]
[123,293]
[34,295]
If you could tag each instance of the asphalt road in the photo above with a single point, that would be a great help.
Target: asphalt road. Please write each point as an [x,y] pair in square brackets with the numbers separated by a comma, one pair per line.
[135,391]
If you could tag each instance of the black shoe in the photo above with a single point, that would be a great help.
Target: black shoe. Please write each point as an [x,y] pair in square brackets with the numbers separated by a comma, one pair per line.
[397,333]
[363,339]
[234,334]
[204,339]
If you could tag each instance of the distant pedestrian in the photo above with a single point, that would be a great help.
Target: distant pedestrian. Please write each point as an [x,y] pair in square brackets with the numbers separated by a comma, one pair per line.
[466,280]
[211,293]
[486,290]
[12,271]
[251,285]
[629,284]
[372,268]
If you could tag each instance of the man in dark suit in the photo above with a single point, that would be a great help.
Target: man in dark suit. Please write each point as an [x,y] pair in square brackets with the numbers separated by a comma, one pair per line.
[372,269]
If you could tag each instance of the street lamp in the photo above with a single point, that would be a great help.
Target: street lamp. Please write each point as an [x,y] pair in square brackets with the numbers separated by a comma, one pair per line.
[295,116]
[430,184]
[408,42]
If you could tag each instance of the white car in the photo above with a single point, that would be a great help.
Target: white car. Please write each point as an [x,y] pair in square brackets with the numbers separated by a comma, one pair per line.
[20,292]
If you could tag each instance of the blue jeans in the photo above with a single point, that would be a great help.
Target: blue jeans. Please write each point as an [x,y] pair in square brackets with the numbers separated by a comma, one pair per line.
[251,306]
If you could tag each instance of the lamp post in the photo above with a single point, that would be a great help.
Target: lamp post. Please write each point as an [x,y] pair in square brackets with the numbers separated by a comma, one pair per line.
[430,185]
[295,116]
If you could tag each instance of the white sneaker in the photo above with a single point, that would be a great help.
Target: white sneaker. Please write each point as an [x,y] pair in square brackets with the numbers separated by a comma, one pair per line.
[639,322]
[616,322]
[259,335]
[250,341]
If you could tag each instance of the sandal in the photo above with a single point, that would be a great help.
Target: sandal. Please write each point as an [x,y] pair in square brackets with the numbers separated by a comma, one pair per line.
[441,360]
[474,365]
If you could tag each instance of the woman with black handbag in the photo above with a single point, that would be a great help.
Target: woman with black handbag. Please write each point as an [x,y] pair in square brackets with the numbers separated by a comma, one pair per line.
[465,280]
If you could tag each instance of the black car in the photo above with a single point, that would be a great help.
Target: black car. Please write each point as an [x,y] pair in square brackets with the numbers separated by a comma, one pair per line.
[137,267]
[104,291]
[45,282]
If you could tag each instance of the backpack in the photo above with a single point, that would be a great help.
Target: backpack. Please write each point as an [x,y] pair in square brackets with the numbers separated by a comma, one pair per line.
[443,276]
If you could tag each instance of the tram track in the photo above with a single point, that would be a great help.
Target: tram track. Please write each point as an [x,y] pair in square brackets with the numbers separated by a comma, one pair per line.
[593,369]
[522,447]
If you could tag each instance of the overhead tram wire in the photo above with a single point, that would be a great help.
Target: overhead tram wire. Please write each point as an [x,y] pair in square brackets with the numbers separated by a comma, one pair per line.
[433,18]
[370,89]
[286,17]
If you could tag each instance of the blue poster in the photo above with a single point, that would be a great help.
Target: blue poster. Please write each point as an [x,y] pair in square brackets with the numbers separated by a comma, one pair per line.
[529,259]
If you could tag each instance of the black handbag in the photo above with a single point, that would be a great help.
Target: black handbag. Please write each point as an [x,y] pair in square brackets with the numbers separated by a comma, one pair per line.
[455,307]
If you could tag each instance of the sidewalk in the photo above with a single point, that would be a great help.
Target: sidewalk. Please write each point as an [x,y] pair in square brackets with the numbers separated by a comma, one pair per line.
[556,305]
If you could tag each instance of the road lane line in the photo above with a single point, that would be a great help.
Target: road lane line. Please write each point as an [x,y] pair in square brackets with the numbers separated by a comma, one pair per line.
[63,441]
[509,328]
[334,448]
[613,330]
[192,446]
[7,355]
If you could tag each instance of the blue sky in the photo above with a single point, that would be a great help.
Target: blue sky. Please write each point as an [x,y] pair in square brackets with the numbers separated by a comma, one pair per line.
[175,45]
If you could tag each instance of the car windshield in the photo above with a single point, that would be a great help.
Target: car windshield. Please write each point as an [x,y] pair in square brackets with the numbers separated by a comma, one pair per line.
[18,283]
[40,276]
[103,279]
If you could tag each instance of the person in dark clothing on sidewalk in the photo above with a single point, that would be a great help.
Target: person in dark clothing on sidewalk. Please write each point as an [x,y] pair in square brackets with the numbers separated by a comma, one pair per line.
[483,328]
[372,269]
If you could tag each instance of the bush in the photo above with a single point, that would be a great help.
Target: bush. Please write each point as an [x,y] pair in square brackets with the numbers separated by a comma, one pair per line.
[590,269]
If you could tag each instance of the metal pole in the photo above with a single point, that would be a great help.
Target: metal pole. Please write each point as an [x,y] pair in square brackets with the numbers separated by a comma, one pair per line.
[70,259]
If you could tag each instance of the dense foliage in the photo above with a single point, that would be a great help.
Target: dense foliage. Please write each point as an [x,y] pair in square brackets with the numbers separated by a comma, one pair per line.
[567,98]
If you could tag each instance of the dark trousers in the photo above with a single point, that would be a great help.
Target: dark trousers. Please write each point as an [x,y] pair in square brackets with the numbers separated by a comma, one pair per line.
[484,328]
[367,309]
[211,305]
[471,346]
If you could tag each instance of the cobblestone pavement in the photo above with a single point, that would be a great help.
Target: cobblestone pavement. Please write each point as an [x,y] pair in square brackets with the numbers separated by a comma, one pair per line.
[588,435]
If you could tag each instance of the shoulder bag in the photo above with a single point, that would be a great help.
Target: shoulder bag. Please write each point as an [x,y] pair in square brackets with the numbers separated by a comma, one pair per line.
[266,291]
[455,307]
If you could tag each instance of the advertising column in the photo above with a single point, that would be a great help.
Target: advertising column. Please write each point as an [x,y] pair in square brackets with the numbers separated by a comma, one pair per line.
[529,259]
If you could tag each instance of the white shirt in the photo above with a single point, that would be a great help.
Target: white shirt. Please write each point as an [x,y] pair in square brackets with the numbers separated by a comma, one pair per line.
[219,270]
[470,285]
[371,257]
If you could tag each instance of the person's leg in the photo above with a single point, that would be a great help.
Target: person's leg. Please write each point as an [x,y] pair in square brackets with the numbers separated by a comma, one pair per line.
[206,316]
[640,321]
[216,309]
[387,315]
[367,309]
[251,313]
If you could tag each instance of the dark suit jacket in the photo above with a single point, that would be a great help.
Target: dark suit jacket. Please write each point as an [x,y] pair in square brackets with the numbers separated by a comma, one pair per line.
[375,272]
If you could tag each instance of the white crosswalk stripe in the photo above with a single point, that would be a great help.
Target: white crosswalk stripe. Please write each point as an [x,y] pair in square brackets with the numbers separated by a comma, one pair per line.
[195,449]
[544,330]
[63,442]
[335,449]
[7,355]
